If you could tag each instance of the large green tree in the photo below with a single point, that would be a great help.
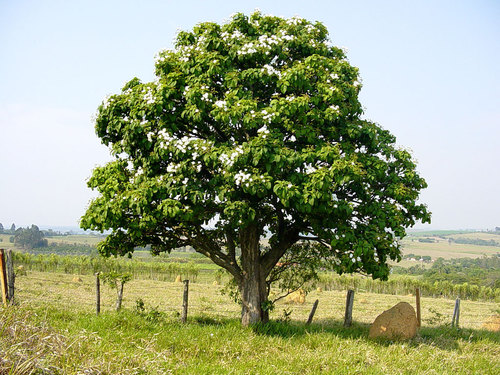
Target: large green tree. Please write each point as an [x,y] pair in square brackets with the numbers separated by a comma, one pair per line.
[30,237]
[252,128]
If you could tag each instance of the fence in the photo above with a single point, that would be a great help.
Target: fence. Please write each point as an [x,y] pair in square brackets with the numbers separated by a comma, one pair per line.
[205,301]
[205,297]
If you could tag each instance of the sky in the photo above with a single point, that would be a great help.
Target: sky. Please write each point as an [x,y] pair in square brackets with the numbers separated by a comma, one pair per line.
[430,71]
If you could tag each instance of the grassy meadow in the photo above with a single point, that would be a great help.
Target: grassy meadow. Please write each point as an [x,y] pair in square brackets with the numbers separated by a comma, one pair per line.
[54,330]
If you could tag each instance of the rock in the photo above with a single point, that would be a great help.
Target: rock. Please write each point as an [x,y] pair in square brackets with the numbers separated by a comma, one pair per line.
[492,323]
[399,322]
[297,297]
[76,279]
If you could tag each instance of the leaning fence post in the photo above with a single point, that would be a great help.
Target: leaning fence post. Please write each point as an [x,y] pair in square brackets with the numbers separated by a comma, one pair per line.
[3,278]
[348,308]
[313,311]
[456,313]
[185,302]
[97,294]
[417,297]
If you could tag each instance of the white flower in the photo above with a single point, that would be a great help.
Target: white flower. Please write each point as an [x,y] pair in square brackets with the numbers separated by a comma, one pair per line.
[263,130]
[107,101]
[270,70]
[309,168]
[148,97]
[221,104]
[172,167]
[335,108]
[241,177]
[204,97]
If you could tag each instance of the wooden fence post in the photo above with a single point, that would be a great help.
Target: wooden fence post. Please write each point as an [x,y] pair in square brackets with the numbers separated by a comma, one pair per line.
[185,302]
[313,311]
[417,297]
[456,314]
[348,308]
[3,278]
[97,294]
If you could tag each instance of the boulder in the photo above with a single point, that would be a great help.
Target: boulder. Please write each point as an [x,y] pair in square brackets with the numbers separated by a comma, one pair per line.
[399,322]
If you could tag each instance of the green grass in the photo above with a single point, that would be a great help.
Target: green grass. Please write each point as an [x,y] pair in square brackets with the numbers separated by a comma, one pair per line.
[54,327]
[131,343]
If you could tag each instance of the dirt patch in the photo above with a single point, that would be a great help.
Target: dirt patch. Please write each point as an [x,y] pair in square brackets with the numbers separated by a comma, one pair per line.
[492,323]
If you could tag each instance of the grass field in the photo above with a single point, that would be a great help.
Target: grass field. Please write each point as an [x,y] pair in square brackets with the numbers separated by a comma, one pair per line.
[442,247]
[54,327]
[81,239]
[4,242]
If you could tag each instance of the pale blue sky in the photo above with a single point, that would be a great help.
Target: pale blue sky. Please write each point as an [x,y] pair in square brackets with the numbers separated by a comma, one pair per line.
[430,69]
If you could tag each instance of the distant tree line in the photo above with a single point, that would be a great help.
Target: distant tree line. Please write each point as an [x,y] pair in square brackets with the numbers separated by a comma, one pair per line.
[483,271]
[29,238]
[475,241]
[12,229]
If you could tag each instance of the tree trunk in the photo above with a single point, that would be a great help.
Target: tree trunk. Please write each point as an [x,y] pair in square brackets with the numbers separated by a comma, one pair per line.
[253,285]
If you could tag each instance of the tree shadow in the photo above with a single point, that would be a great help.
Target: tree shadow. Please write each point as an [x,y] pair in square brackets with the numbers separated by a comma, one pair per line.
[287,329]
[443,337]
[448,338]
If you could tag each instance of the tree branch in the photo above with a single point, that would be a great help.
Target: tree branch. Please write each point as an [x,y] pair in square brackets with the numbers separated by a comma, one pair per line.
[272,257]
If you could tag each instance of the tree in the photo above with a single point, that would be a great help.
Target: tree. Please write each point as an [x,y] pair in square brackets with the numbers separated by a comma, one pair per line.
[116,281]
[30,238]
[252,127]
[12,228]
[1,228]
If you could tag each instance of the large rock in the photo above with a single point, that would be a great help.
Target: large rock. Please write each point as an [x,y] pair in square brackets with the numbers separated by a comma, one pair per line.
[399,322]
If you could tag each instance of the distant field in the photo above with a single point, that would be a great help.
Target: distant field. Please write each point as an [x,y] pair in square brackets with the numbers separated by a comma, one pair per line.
[81,239]
[4,242]
[433,233]
[443,247]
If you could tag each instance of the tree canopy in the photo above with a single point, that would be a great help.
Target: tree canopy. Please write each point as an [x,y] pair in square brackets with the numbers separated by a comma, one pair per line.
[30,237]
[253,128]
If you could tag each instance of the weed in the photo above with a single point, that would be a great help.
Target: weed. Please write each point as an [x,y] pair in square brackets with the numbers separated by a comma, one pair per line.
[436,317]
[285,317]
